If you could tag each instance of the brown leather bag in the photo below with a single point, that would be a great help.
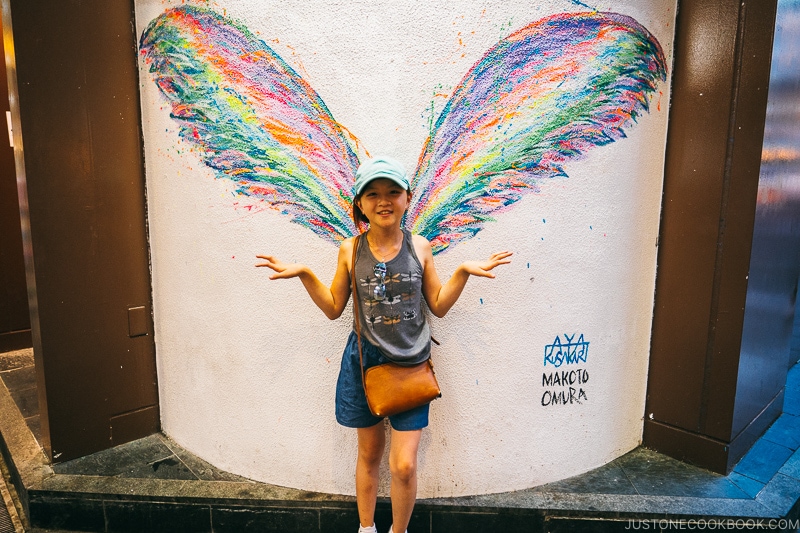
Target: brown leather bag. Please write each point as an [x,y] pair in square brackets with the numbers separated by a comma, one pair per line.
[391,388]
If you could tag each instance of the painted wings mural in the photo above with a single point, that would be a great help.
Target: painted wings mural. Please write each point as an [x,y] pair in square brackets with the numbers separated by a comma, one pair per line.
[539,98]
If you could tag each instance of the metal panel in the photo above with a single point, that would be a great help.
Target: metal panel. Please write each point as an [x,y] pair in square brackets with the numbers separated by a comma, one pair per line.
[15,323]
[713,152]
[750,90]
[24,213]
[775,257]
[78,96]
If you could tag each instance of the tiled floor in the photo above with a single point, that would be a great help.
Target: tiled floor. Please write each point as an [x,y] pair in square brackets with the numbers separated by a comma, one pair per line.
[645,472]
[640,475]
[776,452]
[153,457]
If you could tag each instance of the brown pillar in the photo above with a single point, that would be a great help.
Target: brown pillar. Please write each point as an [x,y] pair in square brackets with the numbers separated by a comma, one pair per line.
[74,84]
[719,96]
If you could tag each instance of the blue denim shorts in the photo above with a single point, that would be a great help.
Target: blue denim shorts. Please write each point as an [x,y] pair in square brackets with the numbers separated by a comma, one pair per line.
[351,403]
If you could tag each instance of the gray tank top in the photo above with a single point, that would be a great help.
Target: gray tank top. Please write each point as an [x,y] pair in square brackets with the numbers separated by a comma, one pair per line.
[392,319]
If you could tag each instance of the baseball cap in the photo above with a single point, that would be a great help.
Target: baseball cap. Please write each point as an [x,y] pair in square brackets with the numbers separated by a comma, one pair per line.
[381,167]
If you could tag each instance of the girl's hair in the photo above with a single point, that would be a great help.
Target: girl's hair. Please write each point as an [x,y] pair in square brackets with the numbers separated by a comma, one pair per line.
[359,218]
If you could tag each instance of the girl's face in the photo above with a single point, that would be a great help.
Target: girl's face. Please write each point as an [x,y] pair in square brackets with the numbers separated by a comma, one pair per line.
[384,202]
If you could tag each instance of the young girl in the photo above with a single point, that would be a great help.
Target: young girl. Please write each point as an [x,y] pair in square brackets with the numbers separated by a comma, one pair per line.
[393,270]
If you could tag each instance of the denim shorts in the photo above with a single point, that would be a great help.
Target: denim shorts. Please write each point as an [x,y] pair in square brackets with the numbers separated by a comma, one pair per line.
[351,403]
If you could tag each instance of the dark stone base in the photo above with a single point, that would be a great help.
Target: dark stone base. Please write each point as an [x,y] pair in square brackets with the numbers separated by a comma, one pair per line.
[153,485]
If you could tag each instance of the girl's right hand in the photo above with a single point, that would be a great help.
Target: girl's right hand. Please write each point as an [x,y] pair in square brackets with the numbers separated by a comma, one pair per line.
[483,268]
[282,270]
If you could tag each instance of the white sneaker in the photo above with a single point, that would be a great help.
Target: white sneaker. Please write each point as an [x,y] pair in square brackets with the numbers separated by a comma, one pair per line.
[391,531]
[370,529]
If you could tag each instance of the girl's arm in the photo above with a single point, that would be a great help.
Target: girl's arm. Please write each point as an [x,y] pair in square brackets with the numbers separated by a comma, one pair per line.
[331,300]
[440,298]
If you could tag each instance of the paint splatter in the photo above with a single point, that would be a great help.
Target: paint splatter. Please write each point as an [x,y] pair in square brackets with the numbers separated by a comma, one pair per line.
[579,3]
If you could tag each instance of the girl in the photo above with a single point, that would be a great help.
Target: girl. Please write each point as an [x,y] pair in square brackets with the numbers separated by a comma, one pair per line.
[393,270]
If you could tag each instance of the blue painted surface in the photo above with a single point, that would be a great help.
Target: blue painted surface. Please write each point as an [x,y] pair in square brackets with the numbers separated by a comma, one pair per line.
[785,431]
[792,466]
[750,486]
[793,378]
[791,402]
[763,460]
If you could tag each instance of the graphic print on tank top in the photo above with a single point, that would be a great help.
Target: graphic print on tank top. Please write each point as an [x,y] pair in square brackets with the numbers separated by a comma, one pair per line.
[391,317]
[399,301]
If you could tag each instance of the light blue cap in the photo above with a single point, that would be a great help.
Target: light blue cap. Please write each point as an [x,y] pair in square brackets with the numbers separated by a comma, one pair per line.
[381,167]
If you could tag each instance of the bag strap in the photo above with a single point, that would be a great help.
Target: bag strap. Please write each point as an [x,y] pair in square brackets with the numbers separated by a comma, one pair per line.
[357,319]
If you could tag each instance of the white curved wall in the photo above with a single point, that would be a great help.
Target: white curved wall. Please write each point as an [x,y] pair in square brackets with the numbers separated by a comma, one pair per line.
[247,366]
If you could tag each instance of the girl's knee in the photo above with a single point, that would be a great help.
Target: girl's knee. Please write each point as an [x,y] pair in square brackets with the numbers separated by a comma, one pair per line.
[403,469]
[370,455]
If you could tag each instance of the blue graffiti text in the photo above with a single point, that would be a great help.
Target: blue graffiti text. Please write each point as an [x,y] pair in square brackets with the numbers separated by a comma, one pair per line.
[566,351]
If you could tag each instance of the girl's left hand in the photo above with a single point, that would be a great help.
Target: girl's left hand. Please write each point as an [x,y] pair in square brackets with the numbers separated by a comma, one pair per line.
[484,268]
[282,270]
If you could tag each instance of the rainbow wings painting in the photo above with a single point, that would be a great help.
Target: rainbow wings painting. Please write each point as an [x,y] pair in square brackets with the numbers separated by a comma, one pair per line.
[539,98]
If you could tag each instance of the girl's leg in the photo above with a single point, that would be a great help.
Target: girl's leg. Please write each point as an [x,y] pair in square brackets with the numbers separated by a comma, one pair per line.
[403,466]
[371,441]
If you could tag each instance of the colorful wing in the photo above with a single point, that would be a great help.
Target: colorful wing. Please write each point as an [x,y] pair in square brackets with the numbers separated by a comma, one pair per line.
[254,119]
[539,98]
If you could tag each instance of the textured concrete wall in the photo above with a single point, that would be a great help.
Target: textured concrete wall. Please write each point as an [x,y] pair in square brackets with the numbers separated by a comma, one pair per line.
[248,366]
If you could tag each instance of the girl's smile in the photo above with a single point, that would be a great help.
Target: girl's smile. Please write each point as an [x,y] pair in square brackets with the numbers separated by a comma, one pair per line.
[384,202]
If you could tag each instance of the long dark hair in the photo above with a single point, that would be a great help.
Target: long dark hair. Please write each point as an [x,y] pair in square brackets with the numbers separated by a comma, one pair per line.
[359,218]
